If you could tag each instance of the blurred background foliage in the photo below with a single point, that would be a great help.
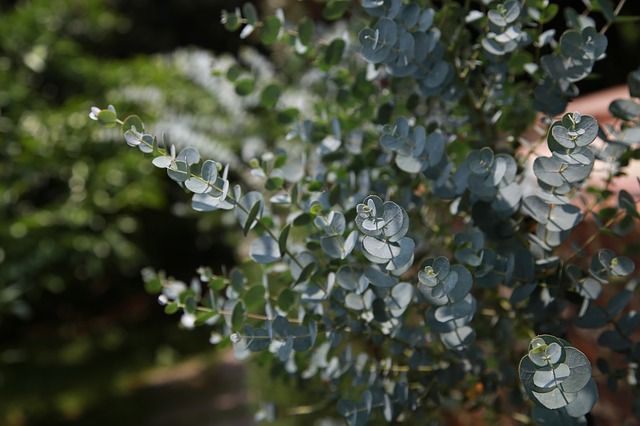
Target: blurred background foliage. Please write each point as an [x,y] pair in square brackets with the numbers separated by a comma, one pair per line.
[79,217]
[80,341]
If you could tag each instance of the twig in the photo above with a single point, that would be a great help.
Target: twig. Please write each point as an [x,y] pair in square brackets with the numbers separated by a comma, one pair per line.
[615,14]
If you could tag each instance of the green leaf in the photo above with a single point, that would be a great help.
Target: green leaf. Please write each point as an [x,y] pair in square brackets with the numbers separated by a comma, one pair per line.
[334,52]
[270,30]
[245,205]
[270,95]
[274,183]
[238,315]
[171,308]
[335,9]
[625,109]
[107,117]
[133,122]
[286,116]
[203,316]
[250,13]
[281,160]
[217,283]
[190,305]
[282,239]
[627,203]
[254,297]
[302,219]
[548,13]
[233,72]
[286,299]
[238,280]
[231,20]
[306,30]
[245,86]
[307,271]
[153,285]
[251,217]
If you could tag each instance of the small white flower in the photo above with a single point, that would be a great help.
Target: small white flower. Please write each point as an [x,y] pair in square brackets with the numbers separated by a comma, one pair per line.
[188,320]
[93,114]
[215,338]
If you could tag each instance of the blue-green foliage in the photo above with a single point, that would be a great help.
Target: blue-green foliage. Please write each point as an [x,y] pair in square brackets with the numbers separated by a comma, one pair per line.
[404,39]
[505,29]
[557,377]
[383,181]
[579,50]
[447,287]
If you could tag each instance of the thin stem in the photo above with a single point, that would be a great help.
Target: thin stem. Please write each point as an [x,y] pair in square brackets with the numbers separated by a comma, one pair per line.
[615,14]
[298,336]
[241,207]
[420,368]
[593,236]
[223,312]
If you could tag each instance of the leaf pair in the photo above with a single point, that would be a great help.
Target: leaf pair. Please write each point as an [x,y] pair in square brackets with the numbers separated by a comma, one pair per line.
[557,376]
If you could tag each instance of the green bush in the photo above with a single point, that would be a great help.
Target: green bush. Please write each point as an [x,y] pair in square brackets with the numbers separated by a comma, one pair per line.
[79,217]
[72,211]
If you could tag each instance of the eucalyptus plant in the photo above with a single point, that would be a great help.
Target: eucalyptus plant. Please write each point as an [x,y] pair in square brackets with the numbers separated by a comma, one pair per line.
[406,239]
